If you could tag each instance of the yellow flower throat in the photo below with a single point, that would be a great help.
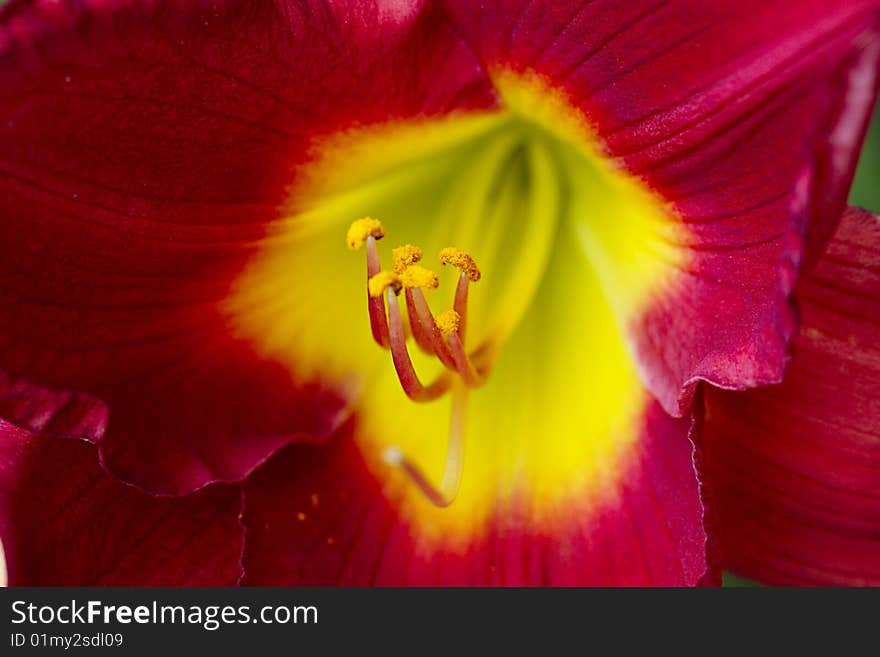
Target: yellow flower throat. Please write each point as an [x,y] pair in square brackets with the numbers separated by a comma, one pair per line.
[558,250]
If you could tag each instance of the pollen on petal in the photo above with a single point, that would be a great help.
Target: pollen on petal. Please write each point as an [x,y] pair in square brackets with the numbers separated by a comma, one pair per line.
[383,280]
[418,276]
[404,256]
[463,261]
[361,229]
[448,322]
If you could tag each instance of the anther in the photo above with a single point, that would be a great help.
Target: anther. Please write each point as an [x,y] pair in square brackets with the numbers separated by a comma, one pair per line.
[448,322]
[416,276]
[461,260]
[404,256]
[362,229]
[379,282]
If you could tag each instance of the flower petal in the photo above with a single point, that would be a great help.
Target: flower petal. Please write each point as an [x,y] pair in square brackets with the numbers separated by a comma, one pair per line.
[65,522]
[796,467]
[745,117]
[318,516]
[144,149]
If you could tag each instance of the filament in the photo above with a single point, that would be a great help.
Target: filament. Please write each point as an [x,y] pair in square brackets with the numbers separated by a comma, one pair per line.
[460,305]
[426,320]
[444,494]
[421,331]
[409,380]
[376,305]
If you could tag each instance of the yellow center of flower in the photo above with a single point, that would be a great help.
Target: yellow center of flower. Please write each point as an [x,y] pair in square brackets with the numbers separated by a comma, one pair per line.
[568,249]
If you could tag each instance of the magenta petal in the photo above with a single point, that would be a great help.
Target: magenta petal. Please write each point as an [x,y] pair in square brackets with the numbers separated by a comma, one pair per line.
[796,467]
[145,147]
[315,516]
[65,522]
[745,116]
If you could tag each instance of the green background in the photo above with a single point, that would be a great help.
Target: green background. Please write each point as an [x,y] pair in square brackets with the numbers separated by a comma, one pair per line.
[866,188]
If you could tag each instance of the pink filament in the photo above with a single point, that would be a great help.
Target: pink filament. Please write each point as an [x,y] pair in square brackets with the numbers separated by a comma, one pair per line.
[462,363]
[429,326]
[409,380]
[421,332]
[460,305]
[376,305]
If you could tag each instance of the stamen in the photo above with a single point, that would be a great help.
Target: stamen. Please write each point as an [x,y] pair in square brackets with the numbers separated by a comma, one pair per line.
[429,327]
[379,282]
[458,258]
[404,256]
[442,337]
[448,322]
[376,304]
[416,276]
[455,339]
[366,231]
[444,494]
[361,229]
[469,273]
[409,380]
[420,331]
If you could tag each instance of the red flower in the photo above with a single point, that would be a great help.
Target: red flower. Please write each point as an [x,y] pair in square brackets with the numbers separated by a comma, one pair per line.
[193,393]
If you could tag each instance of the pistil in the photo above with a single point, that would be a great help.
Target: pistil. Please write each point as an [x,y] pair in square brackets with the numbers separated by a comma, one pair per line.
[444,494]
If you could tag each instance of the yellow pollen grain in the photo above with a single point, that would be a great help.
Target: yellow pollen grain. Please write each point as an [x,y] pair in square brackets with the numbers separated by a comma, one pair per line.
[404,256]
[463,261]
[418,276]
[448,322]
[301,516]
[361,229]
[384,279]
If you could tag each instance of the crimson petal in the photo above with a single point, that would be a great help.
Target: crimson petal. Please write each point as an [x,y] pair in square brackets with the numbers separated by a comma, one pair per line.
[796,467]
[316,516]
[746,117]
[65,522]
[145,147]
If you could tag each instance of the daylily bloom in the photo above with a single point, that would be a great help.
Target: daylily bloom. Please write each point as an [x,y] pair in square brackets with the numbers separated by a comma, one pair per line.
[392,292]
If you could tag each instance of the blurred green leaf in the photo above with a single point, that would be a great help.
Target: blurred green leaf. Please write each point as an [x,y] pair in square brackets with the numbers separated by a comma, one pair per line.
[866,188]
[734,581]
